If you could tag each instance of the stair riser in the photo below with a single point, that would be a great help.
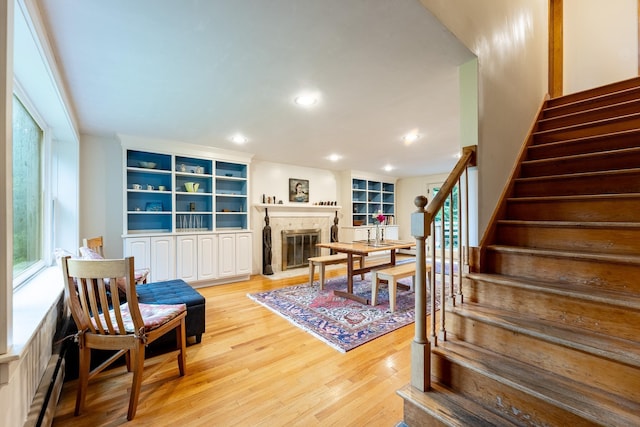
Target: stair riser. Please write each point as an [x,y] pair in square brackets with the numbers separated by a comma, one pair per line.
[610,126]
[586,116]
[584,146]
[604,101]
[628,182]
[602,275]
[583,239]
[610,209]
[578,366]
[508,401]
[602,162]
[564,310]
[414,416]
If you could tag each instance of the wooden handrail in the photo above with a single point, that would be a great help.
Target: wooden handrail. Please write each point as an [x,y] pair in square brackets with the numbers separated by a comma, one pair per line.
[422,223]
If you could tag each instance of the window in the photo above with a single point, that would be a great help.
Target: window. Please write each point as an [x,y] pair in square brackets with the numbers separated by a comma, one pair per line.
[456,217]
[28,212]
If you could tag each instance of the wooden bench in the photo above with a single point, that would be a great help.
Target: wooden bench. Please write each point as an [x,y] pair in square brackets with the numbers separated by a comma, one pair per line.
[322,261]
[391,275]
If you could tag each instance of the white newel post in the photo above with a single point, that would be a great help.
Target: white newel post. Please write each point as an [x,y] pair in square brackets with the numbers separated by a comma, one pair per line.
[420,347]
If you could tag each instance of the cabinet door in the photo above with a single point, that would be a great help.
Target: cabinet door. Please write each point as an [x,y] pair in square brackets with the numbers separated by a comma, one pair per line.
[243,253]
[162,258]
[207,256]
[187,258]
[140,249]
[227,255]
[391,233]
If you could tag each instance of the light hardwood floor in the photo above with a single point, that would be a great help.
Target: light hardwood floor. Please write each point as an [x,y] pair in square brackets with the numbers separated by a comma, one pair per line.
[254,368]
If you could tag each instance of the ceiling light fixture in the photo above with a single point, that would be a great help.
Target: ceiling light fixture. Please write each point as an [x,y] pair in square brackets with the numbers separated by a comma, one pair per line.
[411,137]
[388,168]
[306,99]
[239,139]
[334,157]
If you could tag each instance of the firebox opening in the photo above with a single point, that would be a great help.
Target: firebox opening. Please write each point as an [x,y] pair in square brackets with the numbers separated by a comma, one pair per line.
[298,246]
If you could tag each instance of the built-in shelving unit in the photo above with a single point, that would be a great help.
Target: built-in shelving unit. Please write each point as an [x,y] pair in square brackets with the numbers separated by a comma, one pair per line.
[174,193]
[369,198]
[186,213]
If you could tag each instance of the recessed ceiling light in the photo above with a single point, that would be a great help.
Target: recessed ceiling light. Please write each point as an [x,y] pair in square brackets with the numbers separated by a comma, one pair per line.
[239,139]
[388,168]
[306,99]
[334,157]
[411,137]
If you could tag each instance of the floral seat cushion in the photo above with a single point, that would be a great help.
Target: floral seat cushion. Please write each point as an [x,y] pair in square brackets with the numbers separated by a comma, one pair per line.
[154,315]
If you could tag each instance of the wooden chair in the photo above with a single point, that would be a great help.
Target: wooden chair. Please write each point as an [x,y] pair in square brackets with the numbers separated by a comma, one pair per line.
[96,245]
[127,328]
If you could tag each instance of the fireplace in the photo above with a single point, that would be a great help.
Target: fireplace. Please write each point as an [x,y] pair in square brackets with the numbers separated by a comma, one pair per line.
[298,246]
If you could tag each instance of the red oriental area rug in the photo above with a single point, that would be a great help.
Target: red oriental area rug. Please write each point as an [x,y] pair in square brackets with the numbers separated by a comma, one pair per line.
[342,323]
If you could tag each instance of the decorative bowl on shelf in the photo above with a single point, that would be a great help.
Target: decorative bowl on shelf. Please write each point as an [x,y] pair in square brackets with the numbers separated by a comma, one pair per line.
[147,165]
[191,187]
[358,222]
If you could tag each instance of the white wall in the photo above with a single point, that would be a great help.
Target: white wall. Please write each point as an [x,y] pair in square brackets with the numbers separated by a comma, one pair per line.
[600,42]
[510,39]
[272,179]
[101,192]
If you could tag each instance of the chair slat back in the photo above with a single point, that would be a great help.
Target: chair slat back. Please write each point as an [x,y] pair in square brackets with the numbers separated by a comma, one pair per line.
[91,289]
[95,243]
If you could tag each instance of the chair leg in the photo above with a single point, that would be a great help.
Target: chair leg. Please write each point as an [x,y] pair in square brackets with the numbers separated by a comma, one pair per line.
[137,355]
[181,333]
[374,287]
[83,377]
[361,267]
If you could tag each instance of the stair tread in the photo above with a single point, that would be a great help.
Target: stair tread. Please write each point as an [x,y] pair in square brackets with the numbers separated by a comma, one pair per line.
[565,100]
[587,124]
[575,290]
[588,402]
[587,110]
[609,347]
[451,408]
[610,135]
[604,173]
[613,258]
[570,224]
[576,197]
[587,101]
[583,156]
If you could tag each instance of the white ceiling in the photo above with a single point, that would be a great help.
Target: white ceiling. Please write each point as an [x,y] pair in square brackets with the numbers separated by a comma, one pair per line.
[200,71]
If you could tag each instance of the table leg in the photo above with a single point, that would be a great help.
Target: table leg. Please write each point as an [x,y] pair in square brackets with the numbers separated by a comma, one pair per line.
[349,294]
[350,273]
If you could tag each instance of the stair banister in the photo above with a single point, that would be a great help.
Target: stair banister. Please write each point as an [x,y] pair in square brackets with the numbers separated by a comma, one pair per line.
[422,227]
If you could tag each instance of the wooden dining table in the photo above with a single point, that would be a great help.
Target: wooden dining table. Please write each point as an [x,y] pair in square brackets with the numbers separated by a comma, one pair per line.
[364,248]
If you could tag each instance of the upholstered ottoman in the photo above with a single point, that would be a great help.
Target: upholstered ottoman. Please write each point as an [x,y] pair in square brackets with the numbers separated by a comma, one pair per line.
[176,292]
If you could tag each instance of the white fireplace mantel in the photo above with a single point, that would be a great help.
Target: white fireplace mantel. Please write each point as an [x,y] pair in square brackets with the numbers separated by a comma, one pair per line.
[296,209]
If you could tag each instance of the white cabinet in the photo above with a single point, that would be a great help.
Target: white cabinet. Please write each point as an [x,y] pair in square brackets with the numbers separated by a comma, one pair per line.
[187,257]
[234,254]
[243,253]
[157,253]
[140,249]
[227,255]
[163,257]
[207,256]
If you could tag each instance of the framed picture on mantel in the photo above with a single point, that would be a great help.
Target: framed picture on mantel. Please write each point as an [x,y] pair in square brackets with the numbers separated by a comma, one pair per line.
[298,190]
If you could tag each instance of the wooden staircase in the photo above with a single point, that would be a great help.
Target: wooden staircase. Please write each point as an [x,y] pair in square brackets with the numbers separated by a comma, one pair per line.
[549,331]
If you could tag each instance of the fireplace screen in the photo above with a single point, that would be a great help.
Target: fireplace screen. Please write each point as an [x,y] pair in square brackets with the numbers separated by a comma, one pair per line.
[298,246]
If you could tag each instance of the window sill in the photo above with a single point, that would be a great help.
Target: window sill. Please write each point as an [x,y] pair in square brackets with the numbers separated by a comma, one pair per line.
[31,303]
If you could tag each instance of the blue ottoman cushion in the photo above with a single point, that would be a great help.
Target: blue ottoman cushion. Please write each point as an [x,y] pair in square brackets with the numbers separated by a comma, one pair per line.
[176,292]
